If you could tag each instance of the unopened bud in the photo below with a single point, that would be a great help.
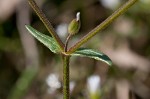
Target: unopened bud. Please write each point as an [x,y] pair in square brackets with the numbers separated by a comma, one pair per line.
[74,25]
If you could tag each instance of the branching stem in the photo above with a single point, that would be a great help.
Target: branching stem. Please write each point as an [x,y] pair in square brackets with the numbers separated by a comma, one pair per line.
[100,27]
[66,57]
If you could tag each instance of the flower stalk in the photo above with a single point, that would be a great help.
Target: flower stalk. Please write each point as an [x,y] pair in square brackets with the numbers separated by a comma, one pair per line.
[101,26]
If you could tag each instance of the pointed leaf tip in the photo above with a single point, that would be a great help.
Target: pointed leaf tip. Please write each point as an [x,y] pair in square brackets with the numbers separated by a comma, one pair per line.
[85,52]
[48,41]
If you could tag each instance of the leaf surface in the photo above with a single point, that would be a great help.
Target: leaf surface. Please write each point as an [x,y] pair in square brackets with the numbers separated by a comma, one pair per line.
[46,40]
[85,52]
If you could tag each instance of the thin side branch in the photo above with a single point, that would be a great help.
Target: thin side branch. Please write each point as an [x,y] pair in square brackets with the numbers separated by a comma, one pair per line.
[66,43]
[100,27]
[46,22]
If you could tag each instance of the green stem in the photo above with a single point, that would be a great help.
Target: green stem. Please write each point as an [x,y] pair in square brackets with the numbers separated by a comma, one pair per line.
[101,26]
[66,60]
[67,41]
[46,22]
[66,77]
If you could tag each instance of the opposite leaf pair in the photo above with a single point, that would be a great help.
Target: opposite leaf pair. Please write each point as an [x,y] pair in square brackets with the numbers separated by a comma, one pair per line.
[54,47]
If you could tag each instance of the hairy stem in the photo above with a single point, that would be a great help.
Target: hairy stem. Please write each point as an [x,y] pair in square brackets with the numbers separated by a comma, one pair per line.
[66,77]
[46,22]
[101,26]
[66,60]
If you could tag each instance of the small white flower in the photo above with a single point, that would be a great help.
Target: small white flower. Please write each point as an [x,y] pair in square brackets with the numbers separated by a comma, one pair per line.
[53,83]
[111,4]
[61,30]
[93,83]
[72,85]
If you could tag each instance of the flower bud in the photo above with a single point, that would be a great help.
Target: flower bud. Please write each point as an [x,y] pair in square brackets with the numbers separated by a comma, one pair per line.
[74,25]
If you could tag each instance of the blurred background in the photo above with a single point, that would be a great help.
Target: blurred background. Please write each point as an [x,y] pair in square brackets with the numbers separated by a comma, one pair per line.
[29,70]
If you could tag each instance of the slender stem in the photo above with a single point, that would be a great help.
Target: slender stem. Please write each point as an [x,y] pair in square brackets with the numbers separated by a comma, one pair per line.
[46,22]
[66,59]
[101,26]
[67,41]
[66,77]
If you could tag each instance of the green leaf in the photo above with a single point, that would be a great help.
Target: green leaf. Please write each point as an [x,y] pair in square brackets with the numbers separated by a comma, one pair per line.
[46,40]
[84,52]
